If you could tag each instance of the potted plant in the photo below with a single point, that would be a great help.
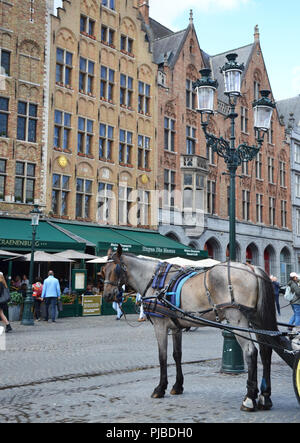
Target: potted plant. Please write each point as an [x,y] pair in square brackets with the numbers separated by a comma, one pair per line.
[14,306]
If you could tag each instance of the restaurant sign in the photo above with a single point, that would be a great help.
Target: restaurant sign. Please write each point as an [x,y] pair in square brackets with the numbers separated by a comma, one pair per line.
[91,305]
[22,244]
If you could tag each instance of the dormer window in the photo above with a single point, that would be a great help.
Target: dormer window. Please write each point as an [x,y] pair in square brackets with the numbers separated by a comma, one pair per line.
[161,78]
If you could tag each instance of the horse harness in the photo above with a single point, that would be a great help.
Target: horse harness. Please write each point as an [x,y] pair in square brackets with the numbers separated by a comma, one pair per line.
[120,271]
[160,303]
[155,305]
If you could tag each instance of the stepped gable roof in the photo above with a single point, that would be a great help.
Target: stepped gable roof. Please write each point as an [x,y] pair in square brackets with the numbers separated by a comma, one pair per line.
[288,106]
[217,61]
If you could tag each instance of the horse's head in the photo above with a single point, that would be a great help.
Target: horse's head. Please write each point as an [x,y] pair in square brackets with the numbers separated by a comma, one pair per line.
[114,273]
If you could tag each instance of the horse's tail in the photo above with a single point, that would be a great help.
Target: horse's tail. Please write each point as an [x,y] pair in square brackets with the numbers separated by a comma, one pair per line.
[267,320]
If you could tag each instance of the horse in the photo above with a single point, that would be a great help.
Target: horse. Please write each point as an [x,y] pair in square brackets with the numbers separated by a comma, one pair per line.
[228,291]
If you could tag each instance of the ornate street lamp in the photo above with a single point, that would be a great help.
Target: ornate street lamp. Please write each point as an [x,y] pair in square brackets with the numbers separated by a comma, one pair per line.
[27,318]
[233,156]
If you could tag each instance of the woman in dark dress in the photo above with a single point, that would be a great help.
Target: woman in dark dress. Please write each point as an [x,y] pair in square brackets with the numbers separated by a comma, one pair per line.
[3,305]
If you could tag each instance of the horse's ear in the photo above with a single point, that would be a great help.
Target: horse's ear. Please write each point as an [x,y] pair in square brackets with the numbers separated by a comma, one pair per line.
[119,250]
[109,253]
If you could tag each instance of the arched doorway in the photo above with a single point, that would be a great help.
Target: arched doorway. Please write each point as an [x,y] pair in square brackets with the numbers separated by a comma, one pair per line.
[237,252]
[173,236]
[252,254]
[285,266]
[269,260]
[194,246]
[212,246]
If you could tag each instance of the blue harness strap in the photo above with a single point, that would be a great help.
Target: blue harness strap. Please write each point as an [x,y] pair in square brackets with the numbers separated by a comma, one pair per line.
[179,288]
[160,275]
[163,279]
[155,280]
[174,284]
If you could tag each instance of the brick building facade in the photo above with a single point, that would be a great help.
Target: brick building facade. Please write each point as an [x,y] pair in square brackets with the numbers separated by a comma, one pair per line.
[103,115]
[98,113]
[289,111]
[78,112]
[263,194]
[24,31]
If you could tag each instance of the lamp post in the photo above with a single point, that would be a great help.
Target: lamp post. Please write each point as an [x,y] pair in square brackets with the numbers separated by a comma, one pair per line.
[232,360]
[233,156]
[27,318]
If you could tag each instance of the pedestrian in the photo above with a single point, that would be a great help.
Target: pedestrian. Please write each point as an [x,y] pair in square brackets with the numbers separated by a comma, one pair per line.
[51,294]
[118,303]
[3,306]
[138,300]
[295,303]
[37,289]
[16,283]
[89,290]
[25,280]
[276,287]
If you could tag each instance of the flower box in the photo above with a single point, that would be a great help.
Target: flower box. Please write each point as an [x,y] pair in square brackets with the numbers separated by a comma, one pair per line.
[14,312]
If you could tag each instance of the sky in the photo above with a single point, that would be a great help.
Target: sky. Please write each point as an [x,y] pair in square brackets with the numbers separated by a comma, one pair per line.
[223,25]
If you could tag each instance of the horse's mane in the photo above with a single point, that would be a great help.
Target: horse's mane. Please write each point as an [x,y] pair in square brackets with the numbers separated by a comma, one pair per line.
[129,254]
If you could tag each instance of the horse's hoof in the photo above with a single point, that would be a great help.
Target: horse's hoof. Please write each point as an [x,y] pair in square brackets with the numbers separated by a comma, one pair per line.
[264,403]
[157,395]
[249,405]
[176,391]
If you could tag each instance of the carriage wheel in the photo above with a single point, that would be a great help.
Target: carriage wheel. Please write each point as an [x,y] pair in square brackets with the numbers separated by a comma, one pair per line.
[296,376]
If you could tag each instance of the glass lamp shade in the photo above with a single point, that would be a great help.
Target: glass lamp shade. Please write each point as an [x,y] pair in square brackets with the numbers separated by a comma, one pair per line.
[35,218]
[232,80]
[263,111]
[232,72]
[205,99]
[205,89]
[262,117]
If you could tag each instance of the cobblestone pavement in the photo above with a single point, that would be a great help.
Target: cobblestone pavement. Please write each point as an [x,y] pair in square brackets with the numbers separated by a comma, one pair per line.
[99,370]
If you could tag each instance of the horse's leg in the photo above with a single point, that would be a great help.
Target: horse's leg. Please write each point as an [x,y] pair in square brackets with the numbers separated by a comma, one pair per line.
[177,355]
[250,354]
[161,332]
[264,401]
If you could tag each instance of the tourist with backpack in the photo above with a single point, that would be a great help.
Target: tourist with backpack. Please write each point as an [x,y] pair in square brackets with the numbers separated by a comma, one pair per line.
[292,294]
[37,289]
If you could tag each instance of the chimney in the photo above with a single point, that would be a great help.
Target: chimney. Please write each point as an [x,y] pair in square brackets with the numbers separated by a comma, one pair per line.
[144,9]
[256,34]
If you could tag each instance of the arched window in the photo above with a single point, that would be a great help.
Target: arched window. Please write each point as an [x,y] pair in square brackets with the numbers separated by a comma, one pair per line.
[285,266]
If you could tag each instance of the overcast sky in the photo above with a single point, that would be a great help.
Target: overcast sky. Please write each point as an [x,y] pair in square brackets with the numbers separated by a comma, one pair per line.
[223,25]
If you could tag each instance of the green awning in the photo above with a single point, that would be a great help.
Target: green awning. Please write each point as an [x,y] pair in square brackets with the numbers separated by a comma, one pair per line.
[16,235]
[137,241]
[101,237]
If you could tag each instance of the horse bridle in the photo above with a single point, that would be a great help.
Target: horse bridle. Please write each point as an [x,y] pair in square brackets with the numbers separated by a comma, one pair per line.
[120,271]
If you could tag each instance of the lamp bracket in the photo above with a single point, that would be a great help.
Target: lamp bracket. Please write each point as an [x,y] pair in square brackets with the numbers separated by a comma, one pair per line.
[232,157]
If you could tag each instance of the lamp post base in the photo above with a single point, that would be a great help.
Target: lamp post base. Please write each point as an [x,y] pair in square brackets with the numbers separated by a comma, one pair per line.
[232,359]
[27,319]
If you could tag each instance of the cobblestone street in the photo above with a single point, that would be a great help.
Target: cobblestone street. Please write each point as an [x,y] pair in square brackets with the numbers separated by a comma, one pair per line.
[99,370]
